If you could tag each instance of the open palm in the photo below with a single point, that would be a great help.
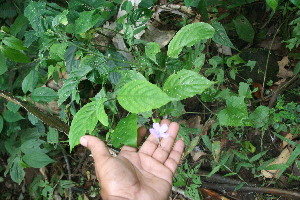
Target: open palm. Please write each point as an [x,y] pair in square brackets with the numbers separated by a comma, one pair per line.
[137,174]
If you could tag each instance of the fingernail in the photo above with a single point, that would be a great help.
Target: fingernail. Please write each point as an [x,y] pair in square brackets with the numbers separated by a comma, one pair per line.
[83,141]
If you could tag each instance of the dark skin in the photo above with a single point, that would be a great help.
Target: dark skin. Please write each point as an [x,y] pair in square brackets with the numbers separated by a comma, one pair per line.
[144,173]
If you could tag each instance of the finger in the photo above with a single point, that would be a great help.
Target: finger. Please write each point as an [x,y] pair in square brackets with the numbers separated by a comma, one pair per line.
[162,152]
[150,145]
[97,147]
[175,155]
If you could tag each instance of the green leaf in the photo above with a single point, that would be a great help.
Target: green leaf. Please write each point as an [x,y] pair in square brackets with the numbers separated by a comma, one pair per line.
[15,55]
[195,32]
[70,58]
[296,3]
[70,85]
[235,114]
[260,117]
[13,106]
[17,173]
[43,94]
[151,49]
[3,66]
[34,13]
[20,24]
[84,122]
[186,83]
[86,20]
[14,43]
[140,96]
[52,136]
[244,90]
[32,145]
[37,159]
[10,116]
[273,4]
[30,81]
[61,18]
[126,132]
[220,36]
[296,69]
[127,76]
[100,112]
[244,28]
[33,119]
[57,51]
[1,123]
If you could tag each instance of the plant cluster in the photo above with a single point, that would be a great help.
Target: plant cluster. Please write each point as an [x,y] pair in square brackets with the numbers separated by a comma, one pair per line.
[70,69]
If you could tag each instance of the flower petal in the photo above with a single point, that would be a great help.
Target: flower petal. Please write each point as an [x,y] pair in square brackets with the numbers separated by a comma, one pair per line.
[154,132]
[164,135]
[156,126]
[163,128]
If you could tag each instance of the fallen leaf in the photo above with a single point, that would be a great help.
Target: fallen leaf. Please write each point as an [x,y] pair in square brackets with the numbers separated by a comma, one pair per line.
[281,159]
[284,73]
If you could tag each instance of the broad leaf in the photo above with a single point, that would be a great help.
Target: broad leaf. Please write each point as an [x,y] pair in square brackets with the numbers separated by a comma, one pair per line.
[296,3]
[260,116]
[30,81]
[37,159]
[127,76]
[220,35]
[235,114]
[188,36]
[70,58]
[52,136]
[34,13]
[17,173]
[151,49]
[86,20]
[33,145]
[19,25]
[126,132]
[100,112]
[186,83]
[43,94]
[244,28]
[3,66]
[140,96]
[57,51]
[10,116]
[15,55]
[14,43]
[84,122]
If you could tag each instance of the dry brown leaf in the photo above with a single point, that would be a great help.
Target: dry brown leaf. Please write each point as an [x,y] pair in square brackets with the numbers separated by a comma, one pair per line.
[196,155]
[162,38]
[284,143]
[281,159]
[284,73]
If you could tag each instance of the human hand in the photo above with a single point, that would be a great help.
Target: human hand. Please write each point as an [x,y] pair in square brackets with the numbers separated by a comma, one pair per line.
[143,174]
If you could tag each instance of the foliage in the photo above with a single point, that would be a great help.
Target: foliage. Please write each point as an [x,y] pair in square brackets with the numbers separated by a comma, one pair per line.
[109,90]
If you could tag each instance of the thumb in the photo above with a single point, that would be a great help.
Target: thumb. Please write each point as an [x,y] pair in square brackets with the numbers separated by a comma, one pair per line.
[97,147]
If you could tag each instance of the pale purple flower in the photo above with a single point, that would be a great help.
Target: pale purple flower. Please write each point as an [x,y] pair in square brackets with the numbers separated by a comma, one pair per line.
[159,131]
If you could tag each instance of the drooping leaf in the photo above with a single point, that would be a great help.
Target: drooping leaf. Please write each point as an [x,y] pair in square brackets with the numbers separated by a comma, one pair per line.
[30,81]
[70,58]
[151,49]
[34,13]
[296,3]
[235,114]
[272,3]
[84,122]
[52,136]
[17,173]
[14,43]
[19,25]
[220,36]
[43,94]
[10,116]
[186,83]
[100,112]
[195,32]
[140,96]
[244,28]
[3,66]
[15,55]
[37,159]
[126,132]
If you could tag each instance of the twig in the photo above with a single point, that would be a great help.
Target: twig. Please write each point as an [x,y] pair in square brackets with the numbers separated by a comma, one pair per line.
[180,191]
[275,191]
[68,168]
